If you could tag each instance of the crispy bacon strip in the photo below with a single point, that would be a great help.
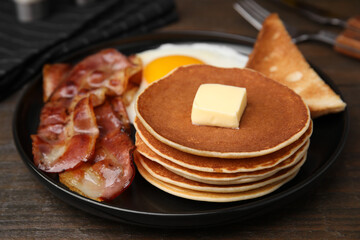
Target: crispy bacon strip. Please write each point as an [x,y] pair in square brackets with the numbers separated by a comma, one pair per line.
[53,76]
[107,69]
[111,171]
[135,72]
[68,135]
[119,110]
[65,142]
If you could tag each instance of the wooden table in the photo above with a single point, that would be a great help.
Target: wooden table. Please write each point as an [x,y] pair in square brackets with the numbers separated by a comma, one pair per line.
[332,211]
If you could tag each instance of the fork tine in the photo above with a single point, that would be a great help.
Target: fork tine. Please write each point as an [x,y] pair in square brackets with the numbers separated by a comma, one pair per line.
[258,8]
[255,14]
[245,13]
[252,10]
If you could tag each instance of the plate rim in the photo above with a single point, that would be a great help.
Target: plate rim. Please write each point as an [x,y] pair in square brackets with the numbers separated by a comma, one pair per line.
[163,35]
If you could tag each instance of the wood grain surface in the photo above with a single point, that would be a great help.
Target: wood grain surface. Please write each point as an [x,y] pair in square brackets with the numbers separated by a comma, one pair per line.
[330,211]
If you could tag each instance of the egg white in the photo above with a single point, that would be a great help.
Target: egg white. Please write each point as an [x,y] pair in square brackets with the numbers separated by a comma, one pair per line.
[211,54]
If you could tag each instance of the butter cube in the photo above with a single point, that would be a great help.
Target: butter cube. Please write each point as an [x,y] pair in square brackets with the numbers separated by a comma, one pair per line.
[218,105]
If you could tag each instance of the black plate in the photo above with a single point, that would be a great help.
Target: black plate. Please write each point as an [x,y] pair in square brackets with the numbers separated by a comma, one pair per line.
[146,205]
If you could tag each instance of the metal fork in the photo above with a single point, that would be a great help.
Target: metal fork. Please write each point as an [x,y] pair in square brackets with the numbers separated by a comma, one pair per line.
[256,14]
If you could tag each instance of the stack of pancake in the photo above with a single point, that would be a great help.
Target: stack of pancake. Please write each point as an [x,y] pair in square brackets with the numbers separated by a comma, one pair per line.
[219,164]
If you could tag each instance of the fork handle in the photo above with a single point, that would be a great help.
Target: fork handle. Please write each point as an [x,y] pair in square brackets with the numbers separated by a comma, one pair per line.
[353,23]
[348,43]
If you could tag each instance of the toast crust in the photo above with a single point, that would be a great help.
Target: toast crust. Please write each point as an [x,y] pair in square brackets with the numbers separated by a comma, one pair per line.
[277,57]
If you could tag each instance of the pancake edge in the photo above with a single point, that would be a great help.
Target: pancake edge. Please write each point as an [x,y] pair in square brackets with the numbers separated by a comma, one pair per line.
[229,189]
[210,197]
[224,154]
[233,180]
[176,161]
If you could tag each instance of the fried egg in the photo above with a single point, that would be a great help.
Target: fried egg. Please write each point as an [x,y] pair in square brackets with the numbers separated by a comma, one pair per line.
[159,62]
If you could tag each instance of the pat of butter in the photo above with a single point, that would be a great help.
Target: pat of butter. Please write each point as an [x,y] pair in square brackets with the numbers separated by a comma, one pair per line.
[218,105]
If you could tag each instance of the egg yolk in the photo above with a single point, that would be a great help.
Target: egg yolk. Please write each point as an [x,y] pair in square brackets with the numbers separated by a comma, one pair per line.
[162,66]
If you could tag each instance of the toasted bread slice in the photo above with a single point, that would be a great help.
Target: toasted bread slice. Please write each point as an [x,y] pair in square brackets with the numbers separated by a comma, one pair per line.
[278,58]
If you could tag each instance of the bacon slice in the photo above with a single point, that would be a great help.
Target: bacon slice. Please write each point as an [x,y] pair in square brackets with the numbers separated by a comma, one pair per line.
[53,76]
[65,142]
[111,170]
[119,109]
[91,150]
[107,69]
[135,72]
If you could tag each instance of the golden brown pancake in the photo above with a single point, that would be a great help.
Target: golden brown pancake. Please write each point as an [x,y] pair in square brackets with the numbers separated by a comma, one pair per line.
[209,196]
[220,178]
[275,115]
[212,164]
[276,56]
[163,174]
